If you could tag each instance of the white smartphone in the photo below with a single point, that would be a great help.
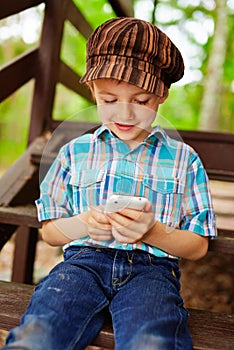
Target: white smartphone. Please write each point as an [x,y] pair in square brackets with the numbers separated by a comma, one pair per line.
[118,202]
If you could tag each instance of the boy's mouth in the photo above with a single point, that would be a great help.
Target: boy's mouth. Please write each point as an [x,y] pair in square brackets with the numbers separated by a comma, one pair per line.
[124,127]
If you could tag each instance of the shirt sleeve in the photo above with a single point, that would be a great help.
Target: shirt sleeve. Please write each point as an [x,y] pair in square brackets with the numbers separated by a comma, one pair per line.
[198,210]
[55,190]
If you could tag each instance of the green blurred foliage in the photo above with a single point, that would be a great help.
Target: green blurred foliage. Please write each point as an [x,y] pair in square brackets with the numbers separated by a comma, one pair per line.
[73,53]
[181,108]
[15,110]
[14,124]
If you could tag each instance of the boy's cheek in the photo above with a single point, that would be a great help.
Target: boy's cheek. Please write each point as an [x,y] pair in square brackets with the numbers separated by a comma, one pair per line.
[107,112]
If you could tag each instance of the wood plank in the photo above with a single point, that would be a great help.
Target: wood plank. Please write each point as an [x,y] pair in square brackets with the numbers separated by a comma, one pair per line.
[25,215]
[222,191]
[225,223]
[65,132]
[220,175]
[219,161]
[15,179]
[105,337]
[224,207]
[72,129]
[17,176]
[219,164]
[17,73]
[70,79]
[225,233]
[222,244]
[48,72]
[196,135]
[14,298]
[78,20]
[122,7]
[209,330]
[11,7]
[25,251]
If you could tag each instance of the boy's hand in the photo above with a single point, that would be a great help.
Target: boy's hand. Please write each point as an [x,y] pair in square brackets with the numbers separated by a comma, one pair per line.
[129,225]
[99,227]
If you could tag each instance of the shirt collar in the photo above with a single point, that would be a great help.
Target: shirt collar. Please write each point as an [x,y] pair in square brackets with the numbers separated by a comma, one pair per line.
[156,134]
[103,128]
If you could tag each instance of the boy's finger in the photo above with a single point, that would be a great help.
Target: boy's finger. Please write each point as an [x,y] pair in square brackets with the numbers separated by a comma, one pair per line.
[148,206]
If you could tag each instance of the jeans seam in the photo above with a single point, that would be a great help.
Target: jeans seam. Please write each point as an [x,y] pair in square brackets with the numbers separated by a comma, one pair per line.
[76,253]
[85,325]
[177,347]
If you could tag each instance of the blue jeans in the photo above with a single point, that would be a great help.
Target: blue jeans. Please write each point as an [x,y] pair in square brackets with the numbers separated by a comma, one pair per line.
[140,291]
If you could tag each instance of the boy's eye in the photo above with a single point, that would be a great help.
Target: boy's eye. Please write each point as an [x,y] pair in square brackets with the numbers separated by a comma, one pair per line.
[142,102]
[110,101]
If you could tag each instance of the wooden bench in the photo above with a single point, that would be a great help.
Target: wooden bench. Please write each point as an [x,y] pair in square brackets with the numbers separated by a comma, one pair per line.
[43,64]
[19,185]
[209,331]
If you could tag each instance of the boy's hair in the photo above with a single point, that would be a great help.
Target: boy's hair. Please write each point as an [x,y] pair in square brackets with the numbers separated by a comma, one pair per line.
[134,51]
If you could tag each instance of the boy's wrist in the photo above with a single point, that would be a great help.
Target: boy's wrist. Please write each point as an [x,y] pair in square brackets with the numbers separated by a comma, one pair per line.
[151,236]
[74,227]
[157,234]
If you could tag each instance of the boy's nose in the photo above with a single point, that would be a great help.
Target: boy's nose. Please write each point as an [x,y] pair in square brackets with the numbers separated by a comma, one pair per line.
[125,111]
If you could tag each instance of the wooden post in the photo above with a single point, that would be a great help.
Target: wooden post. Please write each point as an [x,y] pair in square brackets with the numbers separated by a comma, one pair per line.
[122,7]
[48,66]
[25,249]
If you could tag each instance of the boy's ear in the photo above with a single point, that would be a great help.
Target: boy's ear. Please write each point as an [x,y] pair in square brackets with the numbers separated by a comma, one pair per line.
[165,95]
[91,88]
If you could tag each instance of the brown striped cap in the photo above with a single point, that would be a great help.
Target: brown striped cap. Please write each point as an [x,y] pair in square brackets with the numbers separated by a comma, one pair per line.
[134,51]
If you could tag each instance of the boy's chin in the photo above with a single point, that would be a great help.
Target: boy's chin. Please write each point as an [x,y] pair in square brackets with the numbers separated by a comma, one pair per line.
[131,137]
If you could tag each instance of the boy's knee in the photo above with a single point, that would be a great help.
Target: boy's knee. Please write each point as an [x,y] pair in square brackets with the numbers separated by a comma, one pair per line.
[32,334]
[147,342]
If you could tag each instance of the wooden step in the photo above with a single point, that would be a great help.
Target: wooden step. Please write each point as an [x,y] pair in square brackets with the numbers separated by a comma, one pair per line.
[27,216]
[20,216]
[209,330]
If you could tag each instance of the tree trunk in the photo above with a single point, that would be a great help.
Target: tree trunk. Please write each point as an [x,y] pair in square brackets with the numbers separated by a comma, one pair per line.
[211,101]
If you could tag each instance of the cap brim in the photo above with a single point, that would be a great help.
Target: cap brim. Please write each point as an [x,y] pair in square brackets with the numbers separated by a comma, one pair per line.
[131,75]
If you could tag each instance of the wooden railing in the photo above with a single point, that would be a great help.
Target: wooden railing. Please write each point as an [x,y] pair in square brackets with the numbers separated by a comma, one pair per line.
[19,185]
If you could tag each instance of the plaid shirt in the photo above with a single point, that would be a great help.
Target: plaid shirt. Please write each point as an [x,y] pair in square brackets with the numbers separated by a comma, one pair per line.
[169,173]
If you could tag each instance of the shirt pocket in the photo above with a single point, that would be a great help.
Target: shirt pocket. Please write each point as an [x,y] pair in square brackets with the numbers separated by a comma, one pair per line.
[166,196]
[88,186]
[164,185]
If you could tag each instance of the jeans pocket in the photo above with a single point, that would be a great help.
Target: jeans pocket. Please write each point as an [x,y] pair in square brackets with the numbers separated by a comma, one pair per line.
[73,253]
[169,269]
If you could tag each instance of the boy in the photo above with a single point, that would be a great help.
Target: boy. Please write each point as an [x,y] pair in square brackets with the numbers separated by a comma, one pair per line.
[126,261]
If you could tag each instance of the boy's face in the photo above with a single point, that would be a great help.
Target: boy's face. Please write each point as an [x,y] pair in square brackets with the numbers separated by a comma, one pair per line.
[126,109]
